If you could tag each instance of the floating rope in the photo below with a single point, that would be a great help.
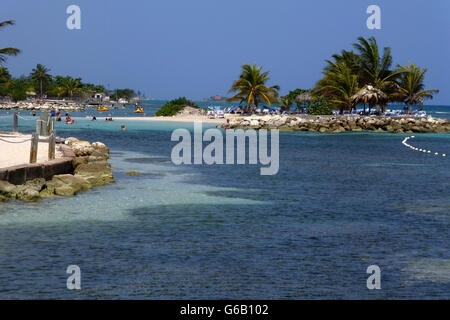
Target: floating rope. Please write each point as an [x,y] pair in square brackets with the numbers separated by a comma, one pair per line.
[405,143]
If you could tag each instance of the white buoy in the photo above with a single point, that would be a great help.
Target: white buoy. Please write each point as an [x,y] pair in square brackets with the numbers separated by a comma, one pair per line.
[444,155]
[436,154]
[429,151]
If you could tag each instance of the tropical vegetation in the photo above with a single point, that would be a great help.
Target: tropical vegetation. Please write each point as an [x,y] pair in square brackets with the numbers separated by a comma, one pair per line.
[172,107]
[251,88]
[5,52]
[365,76]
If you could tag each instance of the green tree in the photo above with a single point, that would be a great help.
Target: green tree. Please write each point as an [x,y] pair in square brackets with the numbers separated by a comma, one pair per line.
[339,85]
[4,52]
[286,103]
[251,87]
[411,88]
[5,81]
[172,107]
[374,68]
[71,86]
[19,89]
[320,106]
[40,74]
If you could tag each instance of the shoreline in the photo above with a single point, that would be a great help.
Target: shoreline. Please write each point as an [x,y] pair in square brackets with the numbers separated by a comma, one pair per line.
[174,119]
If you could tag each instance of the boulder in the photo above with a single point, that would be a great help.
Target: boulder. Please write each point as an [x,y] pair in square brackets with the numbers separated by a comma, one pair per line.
[82,148]
[8,191]
[65,185]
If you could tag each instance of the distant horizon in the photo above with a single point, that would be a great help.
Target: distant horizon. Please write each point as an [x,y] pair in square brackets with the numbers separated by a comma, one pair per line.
[190,57]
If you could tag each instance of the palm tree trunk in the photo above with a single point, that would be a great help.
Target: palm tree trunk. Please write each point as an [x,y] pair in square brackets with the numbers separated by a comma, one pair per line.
[41,89]
[410,108]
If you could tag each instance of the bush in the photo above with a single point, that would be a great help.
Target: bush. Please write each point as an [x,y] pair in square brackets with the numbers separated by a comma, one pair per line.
[19,95]
[320,106]
[172,107]
[168,110]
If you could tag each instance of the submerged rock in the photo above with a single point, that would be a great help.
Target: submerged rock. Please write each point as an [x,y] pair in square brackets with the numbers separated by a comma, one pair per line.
[133,173]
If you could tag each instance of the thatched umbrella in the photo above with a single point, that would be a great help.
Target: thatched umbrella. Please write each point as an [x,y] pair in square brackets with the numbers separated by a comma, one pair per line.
[304,98]
[369,95]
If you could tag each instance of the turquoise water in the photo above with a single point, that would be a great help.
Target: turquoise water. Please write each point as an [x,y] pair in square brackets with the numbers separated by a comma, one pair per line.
[338,204]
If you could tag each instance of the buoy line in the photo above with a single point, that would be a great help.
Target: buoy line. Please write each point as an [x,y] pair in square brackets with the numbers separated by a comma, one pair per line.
[406,144]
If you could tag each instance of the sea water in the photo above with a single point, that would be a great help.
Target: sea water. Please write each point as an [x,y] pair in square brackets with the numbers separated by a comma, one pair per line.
[340,203]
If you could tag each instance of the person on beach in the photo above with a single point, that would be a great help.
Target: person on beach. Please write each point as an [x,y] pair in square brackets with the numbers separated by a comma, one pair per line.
[94,118]
[33,113]
[52,112]
[58,116]
[123,127]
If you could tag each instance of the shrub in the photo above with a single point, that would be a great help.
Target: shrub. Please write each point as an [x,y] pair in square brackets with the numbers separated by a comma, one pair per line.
[173,106]
[320,106]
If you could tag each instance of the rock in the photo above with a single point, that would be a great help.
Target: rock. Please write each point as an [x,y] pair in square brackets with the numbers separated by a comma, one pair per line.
[100,147]
[97,173]
[30,191]
[82,148]
[8,191]
[65,185]
[71,140]
[133,173]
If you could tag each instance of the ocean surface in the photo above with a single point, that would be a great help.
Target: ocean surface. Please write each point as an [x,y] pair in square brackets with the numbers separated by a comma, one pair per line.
[340,203]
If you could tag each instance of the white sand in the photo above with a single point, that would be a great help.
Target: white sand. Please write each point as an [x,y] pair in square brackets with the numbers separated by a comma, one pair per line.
[12,154]
[184,118]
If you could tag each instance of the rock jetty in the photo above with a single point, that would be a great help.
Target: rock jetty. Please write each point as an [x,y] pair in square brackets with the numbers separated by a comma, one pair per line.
[90,169]
[337,124]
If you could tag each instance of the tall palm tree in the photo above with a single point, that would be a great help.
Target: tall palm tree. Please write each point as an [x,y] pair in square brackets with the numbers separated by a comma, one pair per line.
[251,87]
[339,85]
[40,73]
[411,88]
[4,52]
[375,68]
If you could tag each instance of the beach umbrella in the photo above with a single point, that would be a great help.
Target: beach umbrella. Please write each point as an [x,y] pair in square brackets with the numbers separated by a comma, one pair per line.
[304,98]
[369,95]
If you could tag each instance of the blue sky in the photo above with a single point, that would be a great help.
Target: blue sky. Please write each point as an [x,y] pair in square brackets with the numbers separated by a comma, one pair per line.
[171,48]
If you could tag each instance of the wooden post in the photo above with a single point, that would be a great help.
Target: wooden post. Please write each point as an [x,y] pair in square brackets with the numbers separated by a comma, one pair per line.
[34,147]
[51,145]
[16,122]
[49,125]
[43,123]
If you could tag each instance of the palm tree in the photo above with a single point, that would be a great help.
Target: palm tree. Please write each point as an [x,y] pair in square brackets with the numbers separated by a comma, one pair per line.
[7,51]
[286,103]
[251,87]
[411,88]
[40,73]
[339,85]
[375,68]
[71,86]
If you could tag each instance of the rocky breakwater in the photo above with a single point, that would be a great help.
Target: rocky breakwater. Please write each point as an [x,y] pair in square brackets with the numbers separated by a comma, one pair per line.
[337,124]
[47,106]
[90,169]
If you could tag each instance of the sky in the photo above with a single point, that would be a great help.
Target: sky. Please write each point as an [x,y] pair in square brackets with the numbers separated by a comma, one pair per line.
[172,48]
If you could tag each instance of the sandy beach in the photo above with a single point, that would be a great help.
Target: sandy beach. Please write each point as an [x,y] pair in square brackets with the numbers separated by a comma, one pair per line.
[15,152]
[184,118]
